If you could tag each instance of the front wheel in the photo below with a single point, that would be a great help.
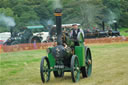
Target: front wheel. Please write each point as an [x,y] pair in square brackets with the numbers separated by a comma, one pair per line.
[45,69]
[75,69]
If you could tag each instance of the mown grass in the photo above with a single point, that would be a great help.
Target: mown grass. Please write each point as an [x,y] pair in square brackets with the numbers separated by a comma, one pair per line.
[123,31]
[110,67]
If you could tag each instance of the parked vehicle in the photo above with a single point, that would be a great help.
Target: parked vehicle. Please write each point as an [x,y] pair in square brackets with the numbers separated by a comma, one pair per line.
[24,36]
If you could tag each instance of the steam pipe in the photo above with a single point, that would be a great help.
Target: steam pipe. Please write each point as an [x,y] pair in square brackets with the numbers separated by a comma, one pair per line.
[58,15]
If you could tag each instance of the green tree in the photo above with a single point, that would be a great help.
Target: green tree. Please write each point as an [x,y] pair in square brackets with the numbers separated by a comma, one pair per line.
[45,12]
[85,12]
[26,14]
[112,10]
[124,13]
[7,11]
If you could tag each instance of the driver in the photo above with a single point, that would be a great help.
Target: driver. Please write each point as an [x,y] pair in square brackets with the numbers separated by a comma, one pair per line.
[74,33]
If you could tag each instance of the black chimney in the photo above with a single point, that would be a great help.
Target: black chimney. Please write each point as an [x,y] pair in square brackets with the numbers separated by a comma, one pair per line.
[103,25]
[58,15]
[11,31]
[116,26]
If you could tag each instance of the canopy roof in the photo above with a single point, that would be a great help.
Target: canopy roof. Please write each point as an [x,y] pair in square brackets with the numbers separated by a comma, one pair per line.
[35,27]
[65,25]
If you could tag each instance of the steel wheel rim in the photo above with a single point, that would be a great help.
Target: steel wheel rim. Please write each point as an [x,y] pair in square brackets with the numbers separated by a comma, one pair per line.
[45,70]
[88,64]
[75,69]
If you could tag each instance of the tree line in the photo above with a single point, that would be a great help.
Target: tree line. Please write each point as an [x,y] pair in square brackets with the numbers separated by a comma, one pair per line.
[89,13]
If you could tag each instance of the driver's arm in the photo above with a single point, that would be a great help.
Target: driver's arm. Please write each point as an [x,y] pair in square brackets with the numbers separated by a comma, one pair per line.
[71,34]
[81,30]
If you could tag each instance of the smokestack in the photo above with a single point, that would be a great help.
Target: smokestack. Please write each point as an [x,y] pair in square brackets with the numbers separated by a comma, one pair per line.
[58,15]
[11,31]
[116,26]
[103,25]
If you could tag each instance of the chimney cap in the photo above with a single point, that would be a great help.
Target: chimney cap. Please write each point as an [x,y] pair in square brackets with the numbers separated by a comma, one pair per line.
[58,10]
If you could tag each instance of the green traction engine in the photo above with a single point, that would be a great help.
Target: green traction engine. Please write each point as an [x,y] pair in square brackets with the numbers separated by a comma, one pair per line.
[66,56]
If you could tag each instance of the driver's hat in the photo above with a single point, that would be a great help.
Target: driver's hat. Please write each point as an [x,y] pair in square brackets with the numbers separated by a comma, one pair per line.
[74,24]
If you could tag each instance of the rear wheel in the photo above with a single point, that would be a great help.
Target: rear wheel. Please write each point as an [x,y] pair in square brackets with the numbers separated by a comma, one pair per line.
[14,42]
[45,69]
[75,69]
[87,69]
[35,39]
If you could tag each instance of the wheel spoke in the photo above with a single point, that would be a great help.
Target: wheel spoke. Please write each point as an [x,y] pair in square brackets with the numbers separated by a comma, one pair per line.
[75,73]
[46,74]
[76,69]
[45,77]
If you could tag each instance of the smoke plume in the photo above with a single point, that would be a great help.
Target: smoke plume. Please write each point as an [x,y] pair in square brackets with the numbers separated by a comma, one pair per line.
[57,4]
[7,21]
[112,17]
[50,22]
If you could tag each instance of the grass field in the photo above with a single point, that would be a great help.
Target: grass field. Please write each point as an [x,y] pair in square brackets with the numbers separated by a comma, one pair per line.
[110,67]
[124,31]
